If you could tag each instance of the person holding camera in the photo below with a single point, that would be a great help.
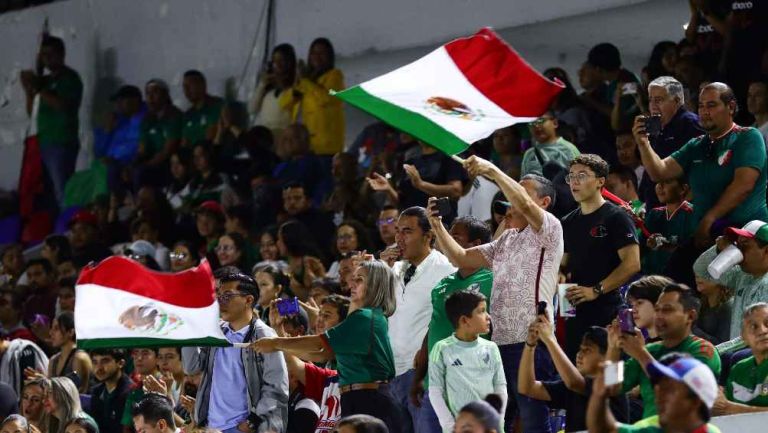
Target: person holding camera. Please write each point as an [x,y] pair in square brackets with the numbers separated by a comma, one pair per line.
[524,262]
[240,390]
[726,167]
[676,311]
[359,344]
[684,390]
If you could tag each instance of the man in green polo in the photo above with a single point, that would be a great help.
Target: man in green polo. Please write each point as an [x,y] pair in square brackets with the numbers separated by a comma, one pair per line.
[468,232]
[60,93]
[202,117]
[160,133]
[726,167]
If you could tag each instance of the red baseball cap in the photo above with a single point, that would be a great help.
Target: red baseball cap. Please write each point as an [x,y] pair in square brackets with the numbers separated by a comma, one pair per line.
[211,206]
[84,216]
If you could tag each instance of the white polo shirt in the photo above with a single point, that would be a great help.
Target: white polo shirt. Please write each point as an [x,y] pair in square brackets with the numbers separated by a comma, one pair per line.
[409,324]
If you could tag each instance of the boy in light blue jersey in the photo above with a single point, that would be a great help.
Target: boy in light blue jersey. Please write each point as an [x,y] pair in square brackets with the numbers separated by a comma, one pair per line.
[463,367]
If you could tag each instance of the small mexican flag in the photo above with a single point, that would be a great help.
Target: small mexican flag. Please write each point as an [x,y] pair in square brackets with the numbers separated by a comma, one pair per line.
[457,94]
[122,304]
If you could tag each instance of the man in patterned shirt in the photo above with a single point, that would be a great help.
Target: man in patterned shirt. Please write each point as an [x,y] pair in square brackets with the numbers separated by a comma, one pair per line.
[524,262]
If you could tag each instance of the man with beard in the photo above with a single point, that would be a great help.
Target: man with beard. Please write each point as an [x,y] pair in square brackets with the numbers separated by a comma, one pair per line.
[726,167]
[108,397]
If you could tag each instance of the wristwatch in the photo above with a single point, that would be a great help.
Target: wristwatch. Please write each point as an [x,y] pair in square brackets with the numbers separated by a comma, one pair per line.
[598,289]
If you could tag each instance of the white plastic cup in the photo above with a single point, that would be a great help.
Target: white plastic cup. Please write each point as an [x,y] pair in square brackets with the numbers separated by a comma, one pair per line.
[566,309]
[727,259]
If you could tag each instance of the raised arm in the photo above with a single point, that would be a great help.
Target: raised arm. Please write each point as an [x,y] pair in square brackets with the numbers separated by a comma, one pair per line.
[460,257]
[658,169]
[513,191]
[526,375]
[599,416]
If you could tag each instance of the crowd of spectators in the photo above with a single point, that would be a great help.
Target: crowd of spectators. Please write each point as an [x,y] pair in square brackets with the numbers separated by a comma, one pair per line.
[497,294]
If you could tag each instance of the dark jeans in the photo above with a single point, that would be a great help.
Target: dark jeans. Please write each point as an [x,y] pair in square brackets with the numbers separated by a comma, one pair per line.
[59,160]
[534,414]
[400,388]
[377,403]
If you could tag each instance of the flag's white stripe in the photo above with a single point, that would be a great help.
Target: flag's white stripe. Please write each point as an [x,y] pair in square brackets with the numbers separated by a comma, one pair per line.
[436,74]
[98,310]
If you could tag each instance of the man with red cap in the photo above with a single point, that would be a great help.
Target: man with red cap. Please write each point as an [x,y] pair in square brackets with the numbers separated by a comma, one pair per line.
[750,277]
[84,238]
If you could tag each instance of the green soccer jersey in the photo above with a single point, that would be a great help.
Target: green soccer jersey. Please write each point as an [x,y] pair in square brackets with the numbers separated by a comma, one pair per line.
[675,227]
[440,327]
[710,168]
[60,126]
[155,132]
[465,371]
[651,425]
[748,383]
[634,375]
[198,120]
[361,346]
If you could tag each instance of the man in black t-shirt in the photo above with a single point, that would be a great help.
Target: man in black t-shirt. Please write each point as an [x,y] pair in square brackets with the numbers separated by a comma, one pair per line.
[601,250]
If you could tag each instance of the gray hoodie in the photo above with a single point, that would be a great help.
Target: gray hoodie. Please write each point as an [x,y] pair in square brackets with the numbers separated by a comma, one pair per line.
[265,374]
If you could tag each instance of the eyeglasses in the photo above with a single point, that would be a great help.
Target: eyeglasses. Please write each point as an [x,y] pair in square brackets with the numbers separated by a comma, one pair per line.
[384,221]
[579,178]
[134,257]
[224,298]
[540,121]
[178,255]
[225,248]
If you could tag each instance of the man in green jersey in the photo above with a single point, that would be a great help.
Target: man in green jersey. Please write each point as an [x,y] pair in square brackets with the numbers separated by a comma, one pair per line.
[747,387]
[676,311]
[202,117]
[60,93]
[684,391]
[159,136]
[468,232]
[726,167]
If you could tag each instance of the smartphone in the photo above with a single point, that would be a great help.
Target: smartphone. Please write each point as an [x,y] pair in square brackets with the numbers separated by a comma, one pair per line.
[653,125]
[626,321]
[629,89]
[443,206]
[541,308]
[288,307]
[614,373]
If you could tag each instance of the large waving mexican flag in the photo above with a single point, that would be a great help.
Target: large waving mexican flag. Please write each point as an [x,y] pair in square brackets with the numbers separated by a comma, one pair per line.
[457,94]
[122,304]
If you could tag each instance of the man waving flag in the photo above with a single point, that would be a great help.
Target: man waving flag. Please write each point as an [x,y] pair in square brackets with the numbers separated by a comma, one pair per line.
[457,94]
[120,303]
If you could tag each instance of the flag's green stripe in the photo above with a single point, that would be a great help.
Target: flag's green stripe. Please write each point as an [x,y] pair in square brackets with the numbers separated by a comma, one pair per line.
[404,120]
[126,343]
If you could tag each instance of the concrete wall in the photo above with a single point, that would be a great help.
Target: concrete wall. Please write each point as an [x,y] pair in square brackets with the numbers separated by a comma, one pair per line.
[111,42]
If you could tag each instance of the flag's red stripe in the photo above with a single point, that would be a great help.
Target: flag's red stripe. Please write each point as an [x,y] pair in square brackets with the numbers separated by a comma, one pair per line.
[192,288]
[499,73]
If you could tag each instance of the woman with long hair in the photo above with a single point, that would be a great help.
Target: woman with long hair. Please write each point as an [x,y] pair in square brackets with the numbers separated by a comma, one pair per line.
[351,236]
[279,77]
[69,361]
[62,403]
[273,284]
[231,251]
[183,256]
[268,250]
[31,404]
[359,344]
[310,100]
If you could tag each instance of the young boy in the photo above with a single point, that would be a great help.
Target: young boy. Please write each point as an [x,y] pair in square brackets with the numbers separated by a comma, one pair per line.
[670,225]
[463,367]
[572,391]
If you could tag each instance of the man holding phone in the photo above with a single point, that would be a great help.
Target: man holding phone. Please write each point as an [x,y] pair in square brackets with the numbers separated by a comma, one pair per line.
[676,311]
[726,167]
[524,261]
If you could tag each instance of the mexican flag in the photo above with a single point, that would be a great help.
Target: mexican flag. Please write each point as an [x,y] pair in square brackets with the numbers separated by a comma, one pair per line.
[122,304]
[457,94]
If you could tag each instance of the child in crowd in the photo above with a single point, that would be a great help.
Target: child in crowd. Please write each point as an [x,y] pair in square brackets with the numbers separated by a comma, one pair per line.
[571,392]
[463,367]
[714,321]
[670,225]
[642,296]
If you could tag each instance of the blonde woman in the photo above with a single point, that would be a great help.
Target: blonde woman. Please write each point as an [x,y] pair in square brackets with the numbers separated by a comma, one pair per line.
[62,404]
